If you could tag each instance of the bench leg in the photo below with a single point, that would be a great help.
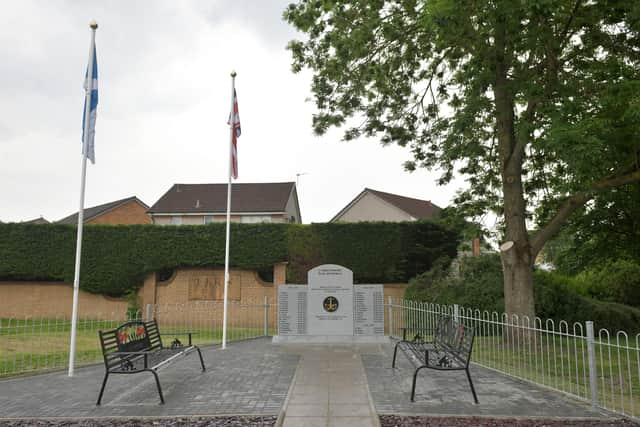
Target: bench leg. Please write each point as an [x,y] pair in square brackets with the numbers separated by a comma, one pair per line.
[104,383]
[158,385]
[201,361]
[473,390]
[413,386]
[395,351]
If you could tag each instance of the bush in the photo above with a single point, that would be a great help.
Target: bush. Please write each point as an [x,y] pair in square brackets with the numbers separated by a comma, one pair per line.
[474,286]
[480,285]
[115,259]
[615,281]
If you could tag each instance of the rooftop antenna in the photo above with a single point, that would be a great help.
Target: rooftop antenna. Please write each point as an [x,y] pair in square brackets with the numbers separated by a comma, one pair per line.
[298,175]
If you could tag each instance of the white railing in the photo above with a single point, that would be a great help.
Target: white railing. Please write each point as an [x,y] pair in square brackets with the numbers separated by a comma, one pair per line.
[32,344]
[600,367]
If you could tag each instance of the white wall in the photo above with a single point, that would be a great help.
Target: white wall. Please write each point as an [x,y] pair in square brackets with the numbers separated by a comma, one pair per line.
[372,208]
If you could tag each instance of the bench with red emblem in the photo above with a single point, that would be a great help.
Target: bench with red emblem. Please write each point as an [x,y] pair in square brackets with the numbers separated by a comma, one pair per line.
[136,346]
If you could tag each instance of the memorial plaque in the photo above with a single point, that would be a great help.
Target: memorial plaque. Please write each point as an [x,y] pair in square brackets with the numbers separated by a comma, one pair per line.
[292,310]
[368,310]
[330,301]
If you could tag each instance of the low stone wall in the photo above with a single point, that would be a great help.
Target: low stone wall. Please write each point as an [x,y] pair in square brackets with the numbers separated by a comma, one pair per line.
[190,296]
[54,300]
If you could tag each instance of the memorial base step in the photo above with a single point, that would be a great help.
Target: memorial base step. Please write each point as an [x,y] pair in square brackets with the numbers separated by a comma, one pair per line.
[330,339]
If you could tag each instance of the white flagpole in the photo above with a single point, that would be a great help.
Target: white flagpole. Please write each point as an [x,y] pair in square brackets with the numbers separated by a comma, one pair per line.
[85,143]
[226,251]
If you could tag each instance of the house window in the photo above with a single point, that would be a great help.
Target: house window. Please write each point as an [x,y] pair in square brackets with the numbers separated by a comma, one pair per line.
[208,219]
[176,220]
[253,219]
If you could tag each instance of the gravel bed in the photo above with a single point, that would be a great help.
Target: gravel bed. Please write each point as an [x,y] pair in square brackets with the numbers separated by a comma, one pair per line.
[237,421]
[425,421]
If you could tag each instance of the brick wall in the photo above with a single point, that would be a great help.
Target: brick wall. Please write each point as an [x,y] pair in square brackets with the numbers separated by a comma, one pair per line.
[129,213]
[191,296]
[54,299]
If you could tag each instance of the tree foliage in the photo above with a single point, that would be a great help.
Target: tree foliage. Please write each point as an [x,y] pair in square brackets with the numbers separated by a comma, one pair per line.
[608,230]
[536,103]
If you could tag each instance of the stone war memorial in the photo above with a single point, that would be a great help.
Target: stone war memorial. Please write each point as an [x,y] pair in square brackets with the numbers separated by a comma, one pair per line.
[330,308]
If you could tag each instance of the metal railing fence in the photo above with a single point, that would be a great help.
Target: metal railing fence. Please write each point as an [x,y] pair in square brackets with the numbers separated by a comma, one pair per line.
[31,344]
[599,367]
[576,359]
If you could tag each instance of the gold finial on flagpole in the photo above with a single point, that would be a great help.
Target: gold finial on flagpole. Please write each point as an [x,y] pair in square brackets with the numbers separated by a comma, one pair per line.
[93,24]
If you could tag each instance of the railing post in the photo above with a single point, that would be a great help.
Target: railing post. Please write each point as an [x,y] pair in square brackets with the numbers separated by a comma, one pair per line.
[266,316]
[593,370]
[390,316]
[456,313]
[149,313]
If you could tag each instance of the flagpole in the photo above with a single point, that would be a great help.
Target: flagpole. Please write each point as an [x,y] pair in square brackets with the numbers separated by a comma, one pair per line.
[76,277]
[226,251]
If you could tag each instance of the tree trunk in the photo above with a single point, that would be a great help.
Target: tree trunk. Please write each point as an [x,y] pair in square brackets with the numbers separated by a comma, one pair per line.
[517,257]
[517,268]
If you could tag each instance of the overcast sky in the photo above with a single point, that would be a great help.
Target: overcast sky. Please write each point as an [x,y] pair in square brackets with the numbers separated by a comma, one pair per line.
[164,83]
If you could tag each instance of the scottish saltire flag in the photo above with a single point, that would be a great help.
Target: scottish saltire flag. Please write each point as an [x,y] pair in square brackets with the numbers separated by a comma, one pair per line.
[93,108]
[234,120]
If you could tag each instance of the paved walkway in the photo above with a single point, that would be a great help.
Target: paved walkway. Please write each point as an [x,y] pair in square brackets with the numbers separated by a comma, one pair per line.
[250,377]
[318,385]
[448,393]
[330,388]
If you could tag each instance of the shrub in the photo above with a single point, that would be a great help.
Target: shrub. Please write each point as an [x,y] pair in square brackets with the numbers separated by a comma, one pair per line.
[474,286]
[480,285]
[615,281]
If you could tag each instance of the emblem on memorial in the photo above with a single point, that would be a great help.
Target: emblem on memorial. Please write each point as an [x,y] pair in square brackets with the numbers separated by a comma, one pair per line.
[330,304]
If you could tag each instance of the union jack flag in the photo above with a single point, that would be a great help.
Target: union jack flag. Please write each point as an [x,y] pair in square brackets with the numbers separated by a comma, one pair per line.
[234,121]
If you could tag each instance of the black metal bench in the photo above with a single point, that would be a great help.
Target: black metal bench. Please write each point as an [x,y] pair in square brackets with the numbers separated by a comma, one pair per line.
[137,347]
[448,350]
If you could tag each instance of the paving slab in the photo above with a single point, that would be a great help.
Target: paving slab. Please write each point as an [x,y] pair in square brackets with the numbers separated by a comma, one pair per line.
[448,393]
[330,387]
[249,377]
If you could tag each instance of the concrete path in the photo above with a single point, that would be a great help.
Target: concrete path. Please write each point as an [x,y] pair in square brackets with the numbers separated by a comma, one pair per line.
[330,388]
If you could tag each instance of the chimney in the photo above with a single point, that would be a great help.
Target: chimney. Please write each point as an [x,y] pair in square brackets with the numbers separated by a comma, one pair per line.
[198,203]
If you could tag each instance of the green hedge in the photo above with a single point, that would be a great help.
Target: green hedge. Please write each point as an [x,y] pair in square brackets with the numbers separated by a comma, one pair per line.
[115,259]
[375,251]
[479,284]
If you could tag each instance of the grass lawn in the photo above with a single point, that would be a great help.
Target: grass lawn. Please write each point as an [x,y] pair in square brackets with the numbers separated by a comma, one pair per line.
[561,362]
[37,345]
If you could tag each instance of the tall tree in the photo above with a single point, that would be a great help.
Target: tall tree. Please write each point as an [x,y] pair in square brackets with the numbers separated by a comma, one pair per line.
[536,102]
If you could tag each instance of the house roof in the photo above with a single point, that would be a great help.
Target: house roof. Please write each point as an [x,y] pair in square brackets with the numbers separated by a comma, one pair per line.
[267,197]
[39,220]
[418,209]
[90,213]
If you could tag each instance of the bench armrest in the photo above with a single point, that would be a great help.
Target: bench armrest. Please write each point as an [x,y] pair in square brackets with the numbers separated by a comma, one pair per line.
[425,331]
[189,333]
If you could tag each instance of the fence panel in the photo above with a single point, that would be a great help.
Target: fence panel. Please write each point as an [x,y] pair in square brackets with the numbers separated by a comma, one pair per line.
[550,353]
[41,344]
